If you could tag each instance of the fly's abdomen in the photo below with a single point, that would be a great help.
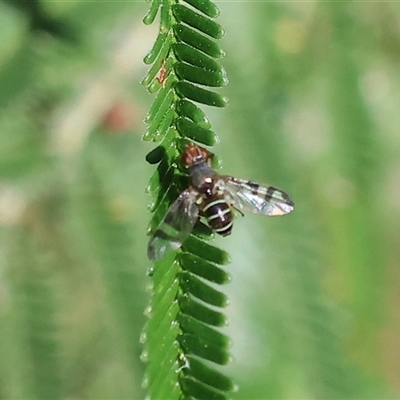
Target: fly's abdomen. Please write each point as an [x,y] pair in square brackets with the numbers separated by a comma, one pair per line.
[219,215]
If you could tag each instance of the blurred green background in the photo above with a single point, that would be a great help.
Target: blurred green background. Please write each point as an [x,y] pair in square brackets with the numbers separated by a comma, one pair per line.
[314,109]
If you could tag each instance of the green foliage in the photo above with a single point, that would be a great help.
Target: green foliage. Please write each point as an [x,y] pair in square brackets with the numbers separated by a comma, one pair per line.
[70,316]
[35,310]
[313,109]
[180,343]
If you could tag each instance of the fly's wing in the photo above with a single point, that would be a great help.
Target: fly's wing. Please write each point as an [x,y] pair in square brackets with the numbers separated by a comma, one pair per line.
[247,195]
[176,226]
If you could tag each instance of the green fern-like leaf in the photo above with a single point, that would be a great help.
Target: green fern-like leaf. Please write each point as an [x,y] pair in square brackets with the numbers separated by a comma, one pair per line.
[182,343]
[115,257]
[35,314]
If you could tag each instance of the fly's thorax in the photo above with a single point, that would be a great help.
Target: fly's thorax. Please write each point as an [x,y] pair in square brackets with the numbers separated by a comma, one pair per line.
[201,175]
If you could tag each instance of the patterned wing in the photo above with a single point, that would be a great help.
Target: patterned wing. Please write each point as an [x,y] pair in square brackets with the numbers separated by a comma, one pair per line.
[176,226]
[247,195]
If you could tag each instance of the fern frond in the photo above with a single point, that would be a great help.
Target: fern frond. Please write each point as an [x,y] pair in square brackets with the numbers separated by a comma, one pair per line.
[114,240]
[35,313]
[181,341]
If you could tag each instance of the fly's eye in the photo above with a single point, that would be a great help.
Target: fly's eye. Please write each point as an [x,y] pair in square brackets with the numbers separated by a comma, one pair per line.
[204,154]
[185,160]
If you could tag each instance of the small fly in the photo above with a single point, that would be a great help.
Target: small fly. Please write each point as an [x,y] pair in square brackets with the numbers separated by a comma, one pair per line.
[215,197]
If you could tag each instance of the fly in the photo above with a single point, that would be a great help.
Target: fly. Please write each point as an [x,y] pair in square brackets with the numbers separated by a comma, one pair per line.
[214,197]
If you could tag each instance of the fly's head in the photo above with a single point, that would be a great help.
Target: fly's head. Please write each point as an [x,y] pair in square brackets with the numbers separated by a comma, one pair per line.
[194,155]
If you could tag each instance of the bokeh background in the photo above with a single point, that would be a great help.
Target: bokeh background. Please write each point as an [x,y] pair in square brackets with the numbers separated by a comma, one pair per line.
[314,109]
